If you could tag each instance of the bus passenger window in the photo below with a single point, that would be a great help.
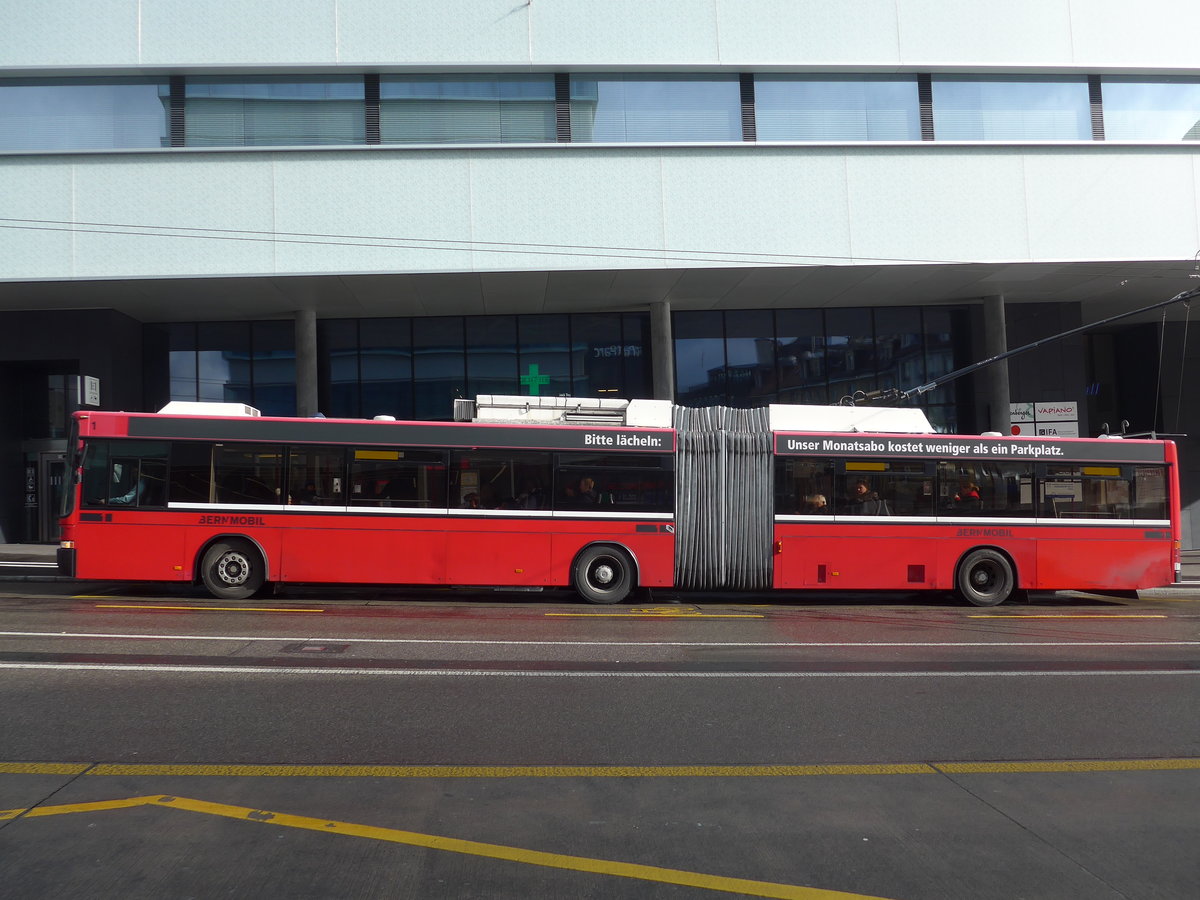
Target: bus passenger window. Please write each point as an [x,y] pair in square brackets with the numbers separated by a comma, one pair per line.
[398,477]
[1149,493]
[614,482]
[316,476]
[248,474]
[976,488]
[500,479]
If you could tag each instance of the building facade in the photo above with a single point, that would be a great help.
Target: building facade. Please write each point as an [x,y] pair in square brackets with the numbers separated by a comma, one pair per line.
[365,207]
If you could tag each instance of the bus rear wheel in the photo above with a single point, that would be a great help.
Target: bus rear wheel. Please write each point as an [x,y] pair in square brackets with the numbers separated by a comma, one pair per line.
[602,574]
[232,570]
[985,578]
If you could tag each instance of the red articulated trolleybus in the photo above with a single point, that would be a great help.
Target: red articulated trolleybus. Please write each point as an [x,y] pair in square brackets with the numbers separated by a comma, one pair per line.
[609,496]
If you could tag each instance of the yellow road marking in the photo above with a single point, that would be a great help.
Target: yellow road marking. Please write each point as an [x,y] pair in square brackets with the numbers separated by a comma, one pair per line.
[762,771]
[472,848]
[38,812]
[207,608]
[43,768]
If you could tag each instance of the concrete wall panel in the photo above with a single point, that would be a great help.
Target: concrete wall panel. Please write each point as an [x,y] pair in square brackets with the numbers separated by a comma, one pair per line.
[1109,34]
[153,197]
[462,32]
[39,190]
[1136,200]
[674,206]
[392,211]
[565,203]
[947,206]
[807,33]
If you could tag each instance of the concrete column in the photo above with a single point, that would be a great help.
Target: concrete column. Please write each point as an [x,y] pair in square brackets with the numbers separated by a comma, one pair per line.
[306,362]
[995,342]
[662,350]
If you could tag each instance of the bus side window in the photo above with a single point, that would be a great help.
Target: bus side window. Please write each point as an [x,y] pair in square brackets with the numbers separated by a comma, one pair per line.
[95,473]
[1149,493]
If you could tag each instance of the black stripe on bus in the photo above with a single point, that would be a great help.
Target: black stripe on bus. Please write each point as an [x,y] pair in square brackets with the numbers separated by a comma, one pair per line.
[405,434]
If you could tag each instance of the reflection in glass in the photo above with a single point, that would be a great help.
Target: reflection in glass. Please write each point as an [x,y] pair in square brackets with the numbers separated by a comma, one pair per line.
[749,357]
[699,358]
[638,381]
[617,108]
[1159,109]
[385,361]
[447,109]
[836,108]
[597,356]
[1017,108]
[850,352]
[801,355]
[439,370]
[337,368]
[238,112]
[223,363]
[83,114]
[545,359]
[273,367]
[491,355]
[181,360]
[899,347]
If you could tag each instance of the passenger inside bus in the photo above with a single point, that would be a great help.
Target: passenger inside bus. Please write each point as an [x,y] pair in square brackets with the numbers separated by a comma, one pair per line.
[967,497]
[865,502]
[815,504]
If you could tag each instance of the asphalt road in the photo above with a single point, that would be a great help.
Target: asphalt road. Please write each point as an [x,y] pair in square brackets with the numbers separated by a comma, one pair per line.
[442,744]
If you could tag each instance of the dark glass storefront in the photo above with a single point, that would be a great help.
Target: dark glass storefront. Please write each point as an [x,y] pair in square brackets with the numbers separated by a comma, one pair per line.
[414,368]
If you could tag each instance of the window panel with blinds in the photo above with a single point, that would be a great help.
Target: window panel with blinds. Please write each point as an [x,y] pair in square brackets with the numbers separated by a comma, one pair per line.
[274,112]
[83,114]
[633,108]
[450,109]
[836,108]
[995,108]
[1145,109]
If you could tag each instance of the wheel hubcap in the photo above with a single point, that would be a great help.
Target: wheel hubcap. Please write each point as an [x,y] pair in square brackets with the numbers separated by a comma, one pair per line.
[233,569]
[603,574]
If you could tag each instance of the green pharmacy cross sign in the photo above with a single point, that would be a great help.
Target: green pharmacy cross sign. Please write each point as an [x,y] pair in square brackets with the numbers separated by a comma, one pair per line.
[534,381]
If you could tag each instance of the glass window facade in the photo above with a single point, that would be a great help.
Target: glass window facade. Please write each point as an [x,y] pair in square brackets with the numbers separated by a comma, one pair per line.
[1160,109]
[1018,108]
[756,357]
[83,114]
[415,368]
[616,108]
[836,108]
[65,114]
[450,109]
[274,112]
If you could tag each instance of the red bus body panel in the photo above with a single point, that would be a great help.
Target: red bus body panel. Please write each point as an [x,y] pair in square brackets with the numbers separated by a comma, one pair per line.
[347,546]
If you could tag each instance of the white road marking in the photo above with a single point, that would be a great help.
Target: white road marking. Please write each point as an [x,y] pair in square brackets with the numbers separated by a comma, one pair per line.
[525,673]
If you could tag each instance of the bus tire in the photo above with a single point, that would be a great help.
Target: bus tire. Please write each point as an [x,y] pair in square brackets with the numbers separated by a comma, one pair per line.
[602,574]
[232,570]
[985,577]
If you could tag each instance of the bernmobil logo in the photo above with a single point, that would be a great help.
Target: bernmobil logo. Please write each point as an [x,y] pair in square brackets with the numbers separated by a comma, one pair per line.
[984,532]
[231,520]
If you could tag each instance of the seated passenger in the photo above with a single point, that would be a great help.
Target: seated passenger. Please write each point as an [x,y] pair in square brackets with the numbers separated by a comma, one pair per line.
[865,502]
[968,496]
[815,504]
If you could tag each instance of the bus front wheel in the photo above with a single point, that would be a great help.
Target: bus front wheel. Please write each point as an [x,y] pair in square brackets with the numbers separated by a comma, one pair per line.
[232,570]
[602,574]
[985,578]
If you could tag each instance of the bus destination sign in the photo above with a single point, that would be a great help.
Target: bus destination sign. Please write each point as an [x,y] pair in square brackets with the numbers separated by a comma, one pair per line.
[941,447]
